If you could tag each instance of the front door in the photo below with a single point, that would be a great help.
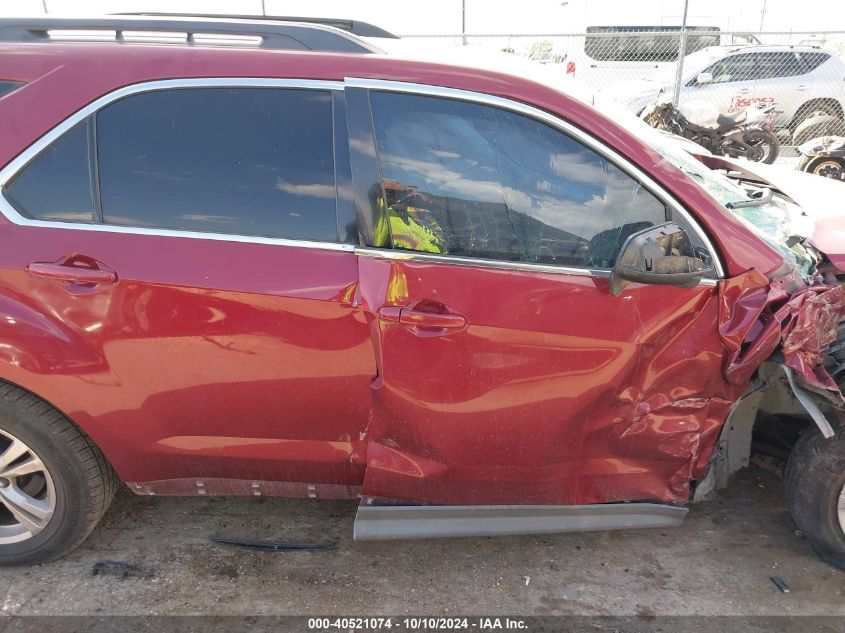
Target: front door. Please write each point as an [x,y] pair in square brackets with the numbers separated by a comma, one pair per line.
[508,374]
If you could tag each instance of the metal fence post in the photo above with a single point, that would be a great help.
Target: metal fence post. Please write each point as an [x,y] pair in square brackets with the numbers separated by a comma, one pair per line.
[464,21]
[682,51]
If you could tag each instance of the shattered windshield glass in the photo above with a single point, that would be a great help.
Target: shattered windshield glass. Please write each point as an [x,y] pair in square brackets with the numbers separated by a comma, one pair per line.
[772,220]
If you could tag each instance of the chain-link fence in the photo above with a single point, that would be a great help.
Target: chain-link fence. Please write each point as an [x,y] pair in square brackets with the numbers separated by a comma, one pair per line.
[801,74]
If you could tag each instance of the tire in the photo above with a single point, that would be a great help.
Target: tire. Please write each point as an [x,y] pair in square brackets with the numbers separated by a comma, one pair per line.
[833,168]
[815,483]
[804,163]
[67,496]
[820,125]
[765,141]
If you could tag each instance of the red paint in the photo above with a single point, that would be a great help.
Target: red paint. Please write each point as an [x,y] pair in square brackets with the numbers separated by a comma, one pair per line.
[207,358]
[227,362]
[556,392]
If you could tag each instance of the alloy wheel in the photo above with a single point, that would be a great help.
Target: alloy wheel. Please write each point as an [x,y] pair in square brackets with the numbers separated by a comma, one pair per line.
[829,169]
[27,493]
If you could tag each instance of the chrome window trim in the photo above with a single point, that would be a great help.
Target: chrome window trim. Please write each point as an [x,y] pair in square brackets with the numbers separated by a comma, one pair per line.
[477,262]
[31,152]
[540,115]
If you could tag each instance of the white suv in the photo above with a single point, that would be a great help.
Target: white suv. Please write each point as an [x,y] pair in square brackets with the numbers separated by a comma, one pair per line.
[799,80]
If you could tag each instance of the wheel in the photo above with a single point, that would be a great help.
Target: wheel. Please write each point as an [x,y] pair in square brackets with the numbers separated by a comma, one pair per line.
[55,485]
[827,167]
[815,492]
[764,146]
[804,163]
[814,127]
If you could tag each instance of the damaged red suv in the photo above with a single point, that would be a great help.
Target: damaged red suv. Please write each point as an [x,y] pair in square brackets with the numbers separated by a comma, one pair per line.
[266,260]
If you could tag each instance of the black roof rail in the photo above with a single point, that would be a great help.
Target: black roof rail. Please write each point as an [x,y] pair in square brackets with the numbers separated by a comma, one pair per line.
[273,34]
[356,27]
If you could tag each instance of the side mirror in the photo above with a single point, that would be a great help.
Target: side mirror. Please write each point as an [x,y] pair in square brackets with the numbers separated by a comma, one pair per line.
[704,78]
[658,255]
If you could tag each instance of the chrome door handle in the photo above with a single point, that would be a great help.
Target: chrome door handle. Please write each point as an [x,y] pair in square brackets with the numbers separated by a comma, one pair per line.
[77,269]
[424,318]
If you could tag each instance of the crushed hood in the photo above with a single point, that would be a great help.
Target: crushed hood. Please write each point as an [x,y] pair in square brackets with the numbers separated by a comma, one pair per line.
[820,199]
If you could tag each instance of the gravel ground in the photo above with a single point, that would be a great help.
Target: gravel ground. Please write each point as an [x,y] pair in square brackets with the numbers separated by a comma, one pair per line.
[719,562]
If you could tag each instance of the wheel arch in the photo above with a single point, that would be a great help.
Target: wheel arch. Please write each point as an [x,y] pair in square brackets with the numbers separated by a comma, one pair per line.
[773,412]
[831,105]
[54,402]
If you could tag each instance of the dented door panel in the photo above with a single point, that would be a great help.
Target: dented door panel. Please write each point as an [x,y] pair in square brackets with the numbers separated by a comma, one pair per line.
[555,392]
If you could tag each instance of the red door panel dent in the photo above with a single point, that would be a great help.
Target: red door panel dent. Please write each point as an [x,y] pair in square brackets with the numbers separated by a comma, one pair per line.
[558,393]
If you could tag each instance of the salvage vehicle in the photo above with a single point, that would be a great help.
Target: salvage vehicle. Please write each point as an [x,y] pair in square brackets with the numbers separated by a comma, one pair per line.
[258,258]
[823,156]
[800,81]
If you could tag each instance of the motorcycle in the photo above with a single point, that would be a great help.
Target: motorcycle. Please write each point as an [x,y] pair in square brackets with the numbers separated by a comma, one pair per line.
[744,134]
[824,156]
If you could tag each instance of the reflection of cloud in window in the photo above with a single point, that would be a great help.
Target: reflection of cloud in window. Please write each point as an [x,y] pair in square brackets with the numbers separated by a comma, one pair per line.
[577,166]
[362,146]
[444,154]
[618,197]
[214,219]
[312,190]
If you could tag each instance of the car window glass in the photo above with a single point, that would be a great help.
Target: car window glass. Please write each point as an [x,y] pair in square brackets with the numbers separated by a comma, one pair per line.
[476,181]
[248,161]
[811,61]
[772,65]
[733,68]
[57,184]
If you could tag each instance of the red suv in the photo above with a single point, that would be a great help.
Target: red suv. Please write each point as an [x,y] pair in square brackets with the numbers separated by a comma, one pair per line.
[245,257]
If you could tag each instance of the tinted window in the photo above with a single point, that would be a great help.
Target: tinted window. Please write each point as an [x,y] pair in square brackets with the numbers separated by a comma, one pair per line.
[476,181]
[772,65]
[250,161]
[812,61]
[57,184]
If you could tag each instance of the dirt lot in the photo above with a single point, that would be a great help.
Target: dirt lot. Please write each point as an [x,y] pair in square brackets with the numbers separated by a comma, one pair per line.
[718,562]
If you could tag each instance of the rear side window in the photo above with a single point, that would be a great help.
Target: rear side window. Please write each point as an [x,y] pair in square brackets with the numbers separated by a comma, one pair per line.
[772,65]
[57,184]
[472,180]
[248,161]
[811,61]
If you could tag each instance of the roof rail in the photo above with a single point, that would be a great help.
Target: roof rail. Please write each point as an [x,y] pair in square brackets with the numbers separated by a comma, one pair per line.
[268,34]
[356,27]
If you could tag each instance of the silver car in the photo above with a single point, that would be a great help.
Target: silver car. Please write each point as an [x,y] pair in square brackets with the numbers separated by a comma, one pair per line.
[800,81]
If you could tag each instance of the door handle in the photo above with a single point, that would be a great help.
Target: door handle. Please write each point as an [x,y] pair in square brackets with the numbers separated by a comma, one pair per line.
[448,321]
[743,91]
[69,270]
[801,87]
[425,318]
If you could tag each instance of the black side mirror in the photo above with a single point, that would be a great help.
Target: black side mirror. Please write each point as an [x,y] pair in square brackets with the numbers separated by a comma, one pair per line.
[660,254]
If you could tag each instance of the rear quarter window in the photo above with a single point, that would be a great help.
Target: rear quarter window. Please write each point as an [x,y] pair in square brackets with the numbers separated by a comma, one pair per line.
[811,61]
[57,185]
